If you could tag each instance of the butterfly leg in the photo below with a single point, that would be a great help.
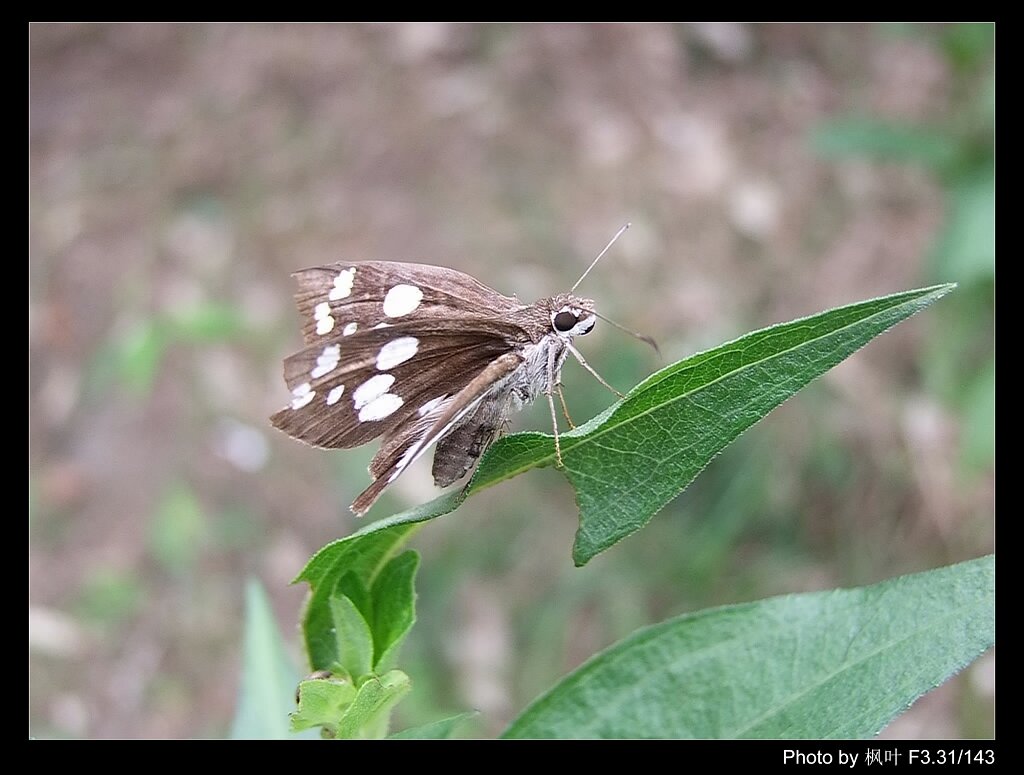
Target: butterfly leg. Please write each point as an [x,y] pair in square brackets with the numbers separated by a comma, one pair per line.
[549,388]
[565,409]
[587,366]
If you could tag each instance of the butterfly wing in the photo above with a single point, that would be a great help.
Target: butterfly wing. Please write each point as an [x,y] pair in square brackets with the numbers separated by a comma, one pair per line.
[441,417]
[407,329]
[347,298]
[399,350]
[347,391]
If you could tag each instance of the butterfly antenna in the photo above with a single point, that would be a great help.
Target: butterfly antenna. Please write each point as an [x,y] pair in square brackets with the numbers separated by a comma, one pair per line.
[642,337]
[612,242]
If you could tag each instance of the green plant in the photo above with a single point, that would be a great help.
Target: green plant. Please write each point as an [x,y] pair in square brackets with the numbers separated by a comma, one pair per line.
[770,668]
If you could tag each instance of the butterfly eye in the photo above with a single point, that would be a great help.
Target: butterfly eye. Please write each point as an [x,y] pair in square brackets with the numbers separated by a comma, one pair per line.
[564,321]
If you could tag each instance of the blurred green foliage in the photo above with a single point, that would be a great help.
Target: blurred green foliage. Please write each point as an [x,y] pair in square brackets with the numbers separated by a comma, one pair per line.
[960,152]
[110,596]
[178,529]
[134,357]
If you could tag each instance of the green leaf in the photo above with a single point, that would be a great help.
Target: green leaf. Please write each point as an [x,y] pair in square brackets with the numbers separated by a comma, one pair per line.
[436,730]
[322,701]
[394,607]
[268,676]
[629,461]
[836,664]
[355,589]
[366,550]
[367,715]
[353,640]
[361,556]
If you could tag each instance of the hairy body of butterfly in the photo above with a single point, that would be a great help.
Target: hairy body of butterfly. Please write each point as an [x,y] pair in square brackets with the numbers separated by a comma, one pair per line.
[420,355]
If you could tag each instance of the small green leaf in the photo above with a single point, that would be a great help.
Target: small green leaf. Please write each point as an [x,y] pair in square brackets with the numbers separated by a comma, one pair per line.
[269,678]
[436,730]
[366,550]
[836,664]
[362,554]
[352,636]
[355,589]
[322,702]
[367,715]
[394,607]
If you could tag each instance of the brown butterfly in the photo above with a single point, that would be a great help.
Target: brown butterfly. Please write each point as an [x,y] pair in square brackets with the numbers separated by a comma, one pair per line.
[420,355]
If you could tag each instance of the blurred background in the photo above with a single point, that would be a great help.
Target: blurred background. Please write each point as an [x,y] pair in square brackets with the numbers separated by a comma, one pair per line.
[179,173]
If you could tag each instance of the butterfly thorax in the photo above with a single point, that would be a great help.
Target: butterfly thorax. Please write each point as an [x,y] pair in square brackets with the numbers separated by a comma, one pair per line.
[551,323]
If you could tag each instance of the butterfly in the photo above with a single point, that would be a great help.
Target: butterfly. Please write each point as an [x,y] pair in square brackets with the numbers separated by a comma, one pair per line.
[422,355]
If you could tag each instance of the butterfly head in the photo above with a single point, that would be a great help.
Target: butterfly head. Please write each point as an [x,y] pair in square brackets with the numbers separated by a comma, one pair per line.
[571,316]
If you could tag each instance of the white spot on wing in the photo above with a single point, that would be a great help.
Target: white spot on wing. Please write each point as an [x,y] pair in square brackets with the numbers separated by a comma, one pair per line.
[327,362]
[380,407]
[303,395]
[372,389]
[382,325]
[335,395]
[342,284]
[401,300]
[322,316]
[350,328]
[397,351]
